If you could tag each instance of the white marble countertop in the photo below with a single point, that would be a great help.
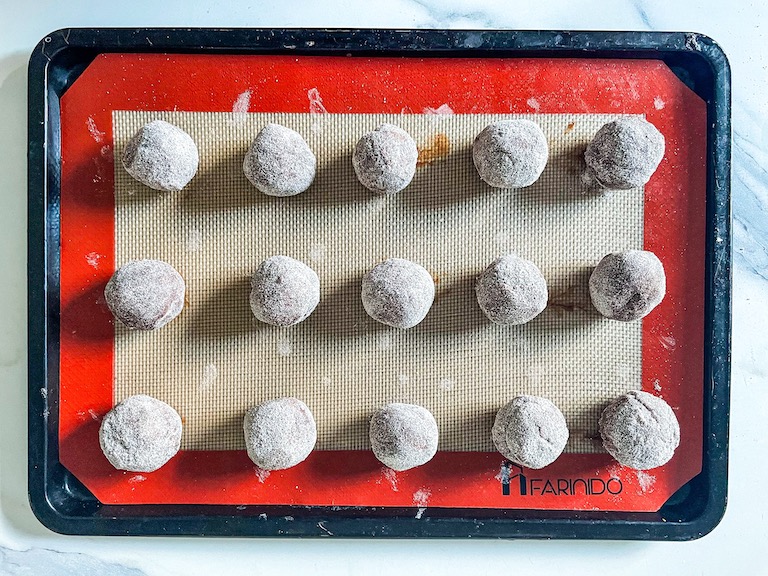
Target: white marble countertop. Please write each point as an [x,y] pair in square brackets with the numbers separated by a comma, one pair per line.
[736,546]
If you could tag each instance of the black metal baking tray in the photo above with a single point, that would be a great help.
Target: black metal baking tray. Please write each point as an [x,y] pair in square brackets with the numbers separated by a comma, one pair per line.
[64,505]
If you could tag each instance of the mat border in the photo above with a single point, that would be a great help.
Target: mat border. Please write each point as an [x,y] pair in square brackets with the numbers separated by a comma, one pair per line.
[65,506]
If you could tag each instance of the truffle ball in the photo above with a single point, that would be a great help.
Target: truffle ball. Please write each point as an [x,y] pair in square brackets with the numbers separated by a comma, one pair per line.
[162,156]
[140,434]
[280,162]
[385,159]
[403,436]
[511,291]
[640,430]
[530,431]
[398,293]
[279,433]
[624,153]
[510,153]
[145,294]
[284,291]
[627,285]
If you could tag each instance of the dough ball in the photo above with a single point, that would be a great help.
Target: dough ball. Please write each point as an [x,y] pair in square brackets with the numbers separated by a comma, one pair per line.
[145,294]
[385,159]
[510,153]
[511,290]
[627,285]
[280,162]
[398,293]
[140,434]
[279,433]
[640,430]
[162,156]
[624,153]
[403,436]
[284,291]
[530,431]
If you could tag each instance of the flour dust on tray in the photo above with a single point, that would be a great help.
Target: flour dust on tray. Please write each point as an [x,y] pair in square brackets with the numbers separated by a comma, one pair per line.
[279,433]
[284,291]
[279,162]
[530,431]
[140,434]
[403,436]
[398,293]
[624,154]
[510,153]
[511,290]
[385,159]
[640,430]
[145,294]
[161,156]
[628,285]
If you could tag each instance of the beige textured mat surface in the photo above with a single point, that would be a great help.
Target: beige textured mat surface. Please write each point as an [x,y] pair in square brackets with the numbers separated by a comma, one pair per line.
[216,360]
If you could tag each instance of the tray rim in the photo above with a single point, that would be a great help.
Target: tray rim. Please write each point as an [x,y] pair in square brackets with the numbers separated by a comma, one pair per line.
[64,506]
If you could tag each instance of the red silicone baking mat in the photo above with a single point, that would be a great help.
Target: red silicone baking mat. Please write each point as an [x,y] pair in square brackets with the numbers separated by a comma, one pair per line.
[674,229]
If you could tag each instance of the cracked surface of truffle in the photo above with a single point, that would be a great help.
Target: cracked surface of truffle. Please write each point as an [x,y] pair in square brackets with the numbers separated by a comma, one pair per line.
[279,433]
[403,436]
[530,431]
[140,434]
[624,153]
[398,293]
[627,285]
[385,159]
[284,291]
[511,290]
[510,153]
[279,162]
[161,156]
[640,430]
[145,294]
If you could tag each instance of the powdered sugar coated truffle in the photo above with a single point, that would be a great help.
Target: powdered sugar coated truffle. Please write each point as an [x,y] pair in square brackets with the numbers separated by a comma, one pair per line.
[511,290]
[640,430]
[403,436]
[140,434]
[279,433]
[385,159]
[284,291]
[145,294]
[624,153]
[530,431]
[628,285]
[280,162]
[162,156]
[510,153]
[398,293]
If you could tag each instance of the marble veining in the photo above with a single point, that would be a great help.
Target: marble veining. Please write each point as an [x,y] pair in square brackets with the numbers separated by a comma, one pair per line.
[44,561]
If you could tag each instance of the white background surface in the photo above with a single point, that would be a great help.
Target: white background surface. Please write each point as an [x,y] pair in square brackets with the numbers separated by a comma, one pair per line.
[735,547]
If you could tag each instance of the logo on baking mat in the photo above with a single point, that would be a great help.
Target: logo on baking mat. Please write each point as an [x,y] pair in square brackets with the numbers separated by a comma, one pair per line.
[514,480]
